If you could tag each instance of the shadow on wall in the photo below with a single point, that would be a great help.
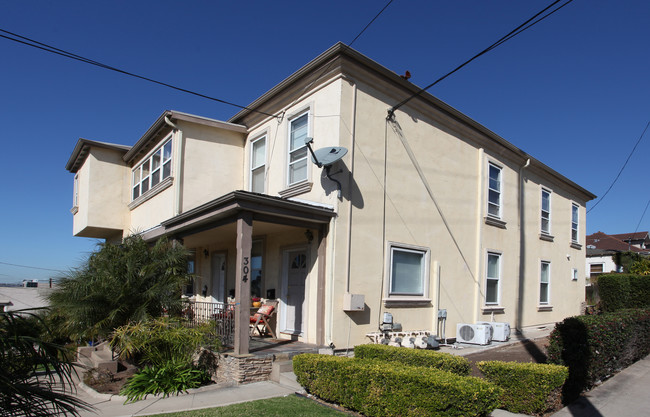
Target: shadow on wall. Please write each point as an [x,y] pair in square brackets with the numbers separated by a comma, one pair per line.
[349,190]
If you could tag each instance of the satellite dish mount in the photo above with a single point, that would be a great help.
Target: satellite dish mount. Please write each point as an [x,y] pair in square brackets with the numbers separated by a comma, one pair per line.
[325,158]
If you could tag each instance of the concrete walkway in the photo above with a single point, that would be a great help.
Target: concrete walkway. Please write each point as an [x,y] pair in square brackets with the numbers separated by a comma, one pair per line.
[206,397]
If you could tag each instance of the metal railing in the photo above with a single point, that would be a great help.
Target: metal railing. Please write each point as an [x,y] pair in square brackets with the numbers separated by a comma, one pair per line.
[220,314]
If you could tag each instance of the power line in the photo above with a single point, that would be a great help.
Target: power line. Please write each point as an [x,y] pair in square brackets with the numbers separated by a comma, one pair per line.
[31,267]
[622,168]
[370,23]
[48,48]
[516,31]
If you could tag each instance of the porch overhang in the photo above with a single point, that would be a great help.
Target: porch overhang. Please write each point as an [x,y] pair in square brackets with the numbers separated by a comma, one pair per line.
[227,208]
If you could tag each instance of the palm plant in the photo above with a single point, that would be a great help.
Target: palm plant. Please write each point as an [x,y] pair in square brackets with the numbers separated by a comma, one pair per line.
[120,284]
[35,375]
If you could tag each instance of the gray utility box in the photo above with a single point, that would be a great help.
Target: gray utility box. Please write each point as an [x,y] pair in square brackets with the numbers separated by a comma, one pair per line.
[354,302]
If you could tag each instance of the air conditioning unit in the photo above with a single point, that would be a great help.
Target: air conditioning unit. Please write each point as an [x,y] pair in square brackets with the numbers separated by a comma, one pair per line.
[500,332]
[477,334]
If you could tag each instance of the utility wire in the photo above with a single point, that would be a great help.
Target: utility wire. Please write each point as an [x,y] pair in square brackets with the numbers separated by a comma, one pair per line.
[526,25]
[622,168]
[370,23]
[32,267]
[48,48]
[639,224]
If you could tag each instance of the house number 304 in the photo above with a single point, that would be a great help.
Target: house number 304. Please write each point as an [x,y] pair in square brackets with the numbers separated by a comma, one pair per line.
[245,269]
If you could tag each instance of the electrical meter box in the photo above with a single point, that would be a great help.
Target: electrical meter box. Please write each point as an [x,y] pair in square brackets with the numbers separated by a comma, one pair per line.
[354,302]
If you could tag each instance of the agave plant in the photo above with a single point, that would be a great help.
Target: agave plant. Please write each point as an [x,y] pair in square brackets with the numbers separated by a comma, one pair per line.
[35,375]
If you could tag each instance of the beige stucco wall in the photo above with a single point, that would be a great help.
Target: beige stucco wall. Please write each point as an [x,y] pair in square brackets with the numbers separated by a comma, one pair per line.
[102,194]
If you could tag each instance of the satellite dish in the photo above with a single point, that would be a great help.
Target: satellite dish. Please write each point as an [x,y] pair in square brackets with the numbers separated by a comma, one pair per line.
[326,157]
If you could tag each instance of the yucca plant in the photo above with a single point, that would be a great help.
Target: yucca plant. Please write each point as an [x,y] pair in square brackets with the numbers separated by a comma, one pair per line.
[120,284]
[35,375]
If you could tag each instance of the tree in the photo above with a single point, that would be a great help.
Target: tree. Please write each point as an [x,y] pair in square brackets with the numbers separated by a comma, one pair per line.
[120,284]
[35,375]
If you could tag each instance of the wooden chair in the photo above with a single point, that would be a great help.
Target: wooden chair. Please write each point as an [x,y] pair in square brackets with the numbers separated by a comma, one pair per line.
[260,320]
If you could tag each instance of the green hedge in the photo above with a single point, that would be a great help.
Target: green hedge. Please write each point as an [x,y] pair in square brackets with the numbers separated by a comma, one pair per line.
[529,388]
[438,360]
[379,388]
[622,291]
[596,347]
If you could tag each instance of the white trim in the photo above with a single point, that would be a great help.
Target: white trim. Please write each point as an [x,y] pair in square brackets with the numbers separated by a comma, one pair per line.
[262,166]
[148,161]
[498,254]
[288,165]
[499,204]
[548,212]
[577,223]
[396,297]
[548,284]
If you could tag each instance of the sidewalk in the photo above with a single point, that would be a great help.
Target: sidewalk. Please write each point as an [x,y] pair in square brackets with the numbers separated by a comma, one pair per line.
[107,405]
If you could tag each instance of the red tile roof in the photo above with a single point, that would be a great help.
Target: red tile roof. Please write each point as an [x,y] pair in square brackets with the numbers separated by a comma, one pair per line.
[600,240]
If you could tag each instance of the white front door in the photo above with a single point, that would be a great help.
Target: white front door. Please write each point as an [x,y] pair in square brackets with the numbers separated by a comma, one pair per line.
[218,274]
[293,295]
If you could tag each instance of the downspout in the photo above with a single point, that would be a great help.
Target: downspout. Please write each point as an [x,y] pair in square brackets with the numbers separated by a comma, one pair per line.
[522,248]
[330,288]
[479,232]
[178,163]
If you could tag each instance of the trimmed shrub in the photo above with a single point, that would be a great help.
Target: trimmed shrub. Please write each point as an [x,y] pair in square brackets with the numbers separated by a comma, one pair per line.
[595,347]
[438,360]
[623,291]
[378,388]
[528,388]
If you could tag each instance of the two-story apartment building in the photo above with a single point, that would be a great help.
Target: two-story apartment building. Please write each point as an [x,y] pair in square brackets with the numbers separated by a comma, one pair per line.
[435,211]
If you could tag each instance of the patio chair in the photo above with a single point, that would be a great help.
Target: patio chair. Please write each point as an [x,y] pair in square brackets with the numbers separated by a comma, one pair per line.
[260,320]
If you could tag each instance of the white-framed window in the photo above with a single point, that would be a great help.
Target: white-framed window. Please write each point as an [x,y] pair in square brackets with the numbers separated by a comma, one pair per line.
[492,278]
[574,222]
[544,282]
[298,152]
[546,212]
[494,191]
[408,271]
[574,274]
[258,164]
[153,170]
[75,196]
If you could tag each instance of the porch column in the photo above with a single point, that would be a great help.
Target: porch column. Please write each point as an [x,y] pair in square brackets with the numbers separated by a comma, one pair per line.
[242,282]
[320,297]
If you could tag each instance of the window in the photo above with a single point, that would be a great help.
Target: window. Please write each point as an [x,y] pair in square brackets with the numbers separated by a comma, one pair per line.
[408,271]
[75,196]
[153,170]
[256,268]
[574,222]
[544,282]
[494,191]
[258,161]
[493,276]
[546,212]
[595,269]
[189,285]
[574,274]
[298,131]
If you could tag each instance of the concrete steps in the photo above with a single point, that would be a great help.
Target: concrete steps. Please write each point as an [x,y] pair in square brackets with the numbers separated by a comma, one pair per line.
[99,356]
[282,373]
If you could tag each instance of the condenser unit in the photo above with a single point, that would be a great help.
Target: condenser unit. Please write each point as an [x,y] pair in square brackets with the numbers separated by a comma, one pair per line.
[477,334]
[500,332]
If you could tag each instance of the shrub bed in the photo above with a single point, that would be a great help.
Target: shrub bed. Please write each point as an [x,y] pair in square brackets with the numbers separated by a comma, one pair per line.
[378,388]
[595,347]
[529,388]
[438,360]
[624,291]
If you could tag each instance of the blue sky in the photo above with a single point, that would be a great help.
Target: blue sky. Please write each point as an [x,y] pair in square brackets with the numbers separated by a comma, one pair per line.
[572,91]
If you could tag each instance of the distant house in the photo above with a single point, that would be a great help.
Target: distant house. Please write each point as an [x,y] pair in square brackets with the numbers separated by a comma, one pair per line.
[602,248]
[427,210]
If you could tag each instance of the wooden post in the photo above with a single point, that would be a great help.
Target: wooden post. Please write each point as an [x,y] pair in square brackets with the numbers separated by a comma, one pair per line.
[243,282]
